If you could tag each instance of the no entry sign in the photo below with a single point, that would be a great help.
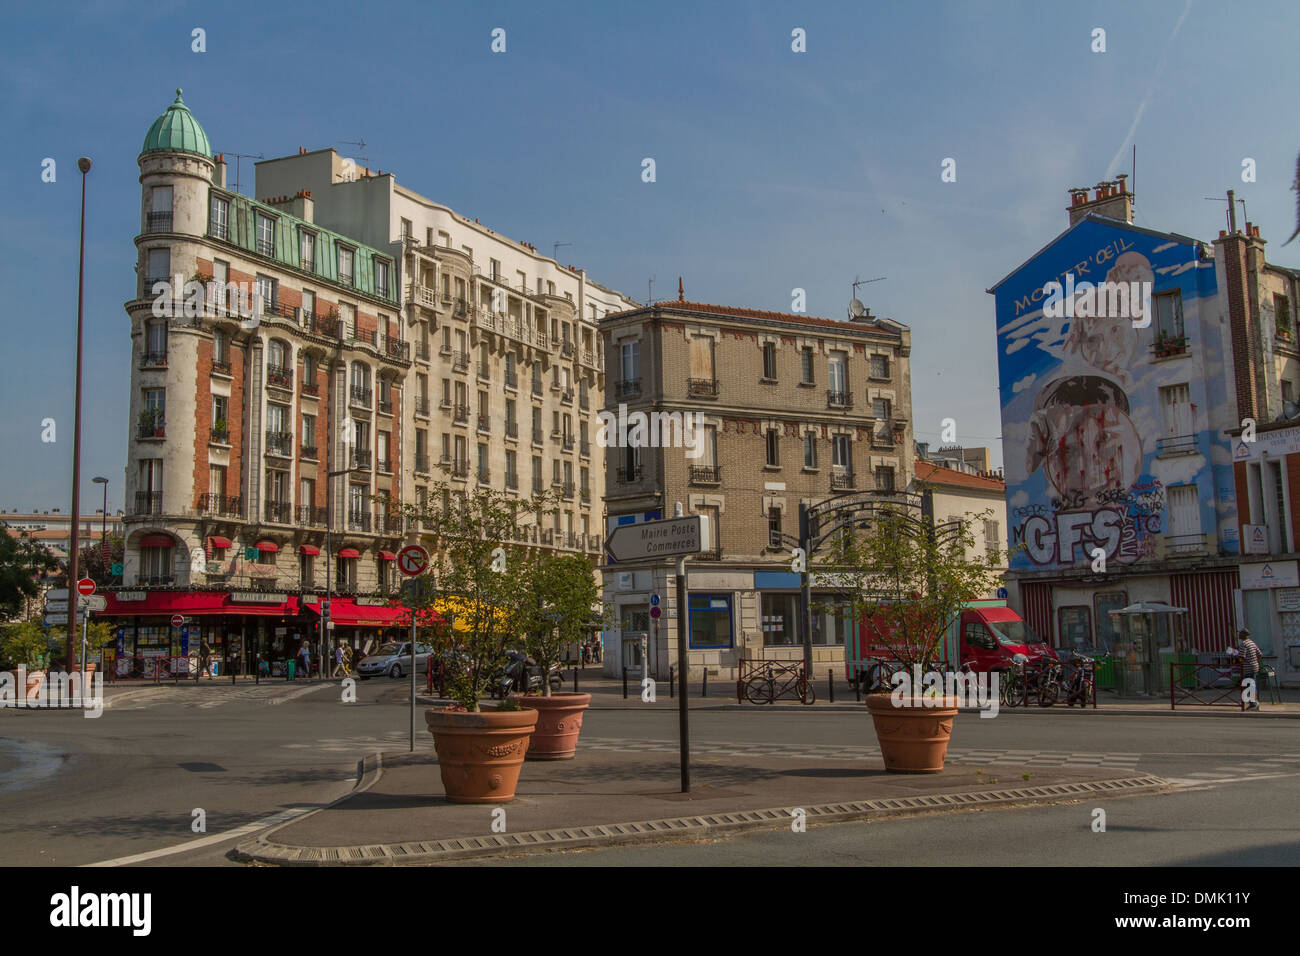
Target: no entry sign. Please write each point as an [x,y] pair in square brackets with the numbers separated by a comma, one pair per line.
[86,586]
[178,621]
[412,560]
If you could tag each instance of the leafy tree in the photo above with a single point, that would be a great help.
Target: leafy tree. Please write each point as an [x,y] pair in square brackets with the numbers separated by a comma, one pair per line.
[98,558]
[23,645]
[477,554]
[23,562]
[913,579]
[559,597]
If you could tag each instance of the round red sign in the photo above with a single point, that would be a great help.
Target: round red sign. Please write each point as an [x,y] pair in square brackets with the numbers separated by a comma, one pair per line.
[412,559]
[86,586]
[178,621]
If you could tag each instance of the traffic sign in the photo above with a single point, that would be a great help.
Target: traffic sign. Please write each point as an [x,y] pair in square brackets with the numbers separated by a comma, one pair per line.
[654,600]
[670,538]
[86,587]
[178,620]
[116,570]
[412,559]
[54,620]
[656,611]
[96,602]
[1002,593]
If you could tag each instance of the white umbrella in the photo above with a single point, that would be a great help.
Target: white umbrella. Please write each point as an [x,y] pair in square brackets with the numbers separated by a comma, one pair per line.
[1149,607]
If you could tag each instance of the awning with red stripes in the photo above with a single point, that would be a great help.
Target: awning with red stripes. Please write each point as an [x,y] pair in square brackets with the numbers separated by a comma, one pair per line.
[219,542]
[308,549]
[349,553]
[388,555]
[269,546]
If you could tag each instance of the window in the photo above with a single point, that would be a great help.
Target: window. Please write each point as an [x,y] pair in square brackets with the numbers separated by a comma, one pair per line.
[1288,393]
[277,418]
[495,266]
[220,421]
[217,484]
[1103,603]
[482,462]
[773,448]
[630,361]
[774,527]
[156,565]
[1075,625]
[160,216]
[360,377]
[219,218]
[781,619]
[709,620]
[709,446]
[832,619]
[1176,418]
[1281,315]
[347,319]
[381,278]
[880,366]
[810,449]
[537,474]
[265,234]
[266,293]
[306,570]
[309,369]
[345,265]
[512,476]
[838,376]
[155,401]
[1185,516]
[806,365]
[160,267]
[275,354]
[309,436]
[880,409]
[992,538]
[408,229]
[701,358]
[220,280]
[1169,315]
[769,360]
[884,478]
[307,250]
[842,452]
[156,338]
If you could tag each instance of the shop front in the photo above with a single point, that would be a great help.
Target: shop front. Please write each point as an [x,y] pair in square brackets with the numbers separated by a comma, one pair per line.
[1270,608]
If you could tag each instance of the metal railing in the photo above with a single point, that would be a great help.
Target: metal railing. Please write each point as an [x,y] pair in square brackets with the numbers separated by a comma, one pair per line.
[148,502]
[312,517]
[158,222]
[360,395]
[485,423]
[628,387]
[842,481]
[422,463]
[224,506]
[706,474]
[838,399]
[358,521]
[628,475]
[1176,445]
[701,388]
[153,359]
[460,361]
[279,443]
[279,512]
[422,405]
[512,428]
[361,458]
[461,413]
[279,376]
[307,451]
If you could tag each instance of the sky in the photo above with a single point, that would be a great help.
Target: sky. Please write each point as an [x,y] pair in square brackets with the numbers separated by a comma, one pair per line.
[775,170]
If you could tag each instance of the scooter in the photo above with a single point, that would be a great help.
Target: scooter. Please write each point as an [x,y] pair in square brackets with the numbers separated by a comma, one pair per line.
[512,676]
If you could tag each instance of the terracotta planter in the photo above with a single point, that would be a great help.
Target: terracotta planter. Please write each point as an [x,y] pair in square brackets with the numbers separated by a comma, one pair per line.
[34,680]
[480,755]
[559,719]
[913,739]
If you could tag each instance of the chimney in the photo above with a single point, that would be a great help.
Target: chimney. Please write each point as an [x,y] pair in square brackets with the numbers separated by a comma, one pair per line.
[1111,199]
[219,171]
[302,206]
[1243,261]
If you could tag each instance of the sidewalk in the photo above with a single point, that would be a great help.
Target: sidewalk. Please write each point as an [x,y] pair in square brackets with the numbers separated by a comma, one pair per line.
[606,796]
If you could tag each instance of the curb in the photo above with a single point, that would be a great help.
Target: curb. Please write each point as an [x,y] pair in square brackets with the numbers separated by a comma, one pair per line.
[263,849]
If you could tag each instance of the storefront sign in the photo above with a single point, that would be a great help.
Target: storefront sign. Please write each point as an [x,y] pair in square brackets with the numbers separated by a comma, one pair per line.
[1288,599]
[371,601]
[1284,441]
[1254,539]
[257,597]
[130,595]
[1273,574]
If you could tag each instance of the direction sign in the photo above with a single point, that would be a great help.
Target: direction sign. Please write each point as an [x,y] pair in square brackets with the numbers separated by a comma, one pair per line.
[670,538]
[178,620]
[412,559]
[86,587]
[96,602]
[55,620]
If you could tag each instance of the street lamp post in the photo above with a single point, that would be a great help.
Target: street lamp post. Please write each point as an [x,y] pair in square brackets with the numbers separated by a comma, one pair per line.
[103,537]
[348,440]
[74,564]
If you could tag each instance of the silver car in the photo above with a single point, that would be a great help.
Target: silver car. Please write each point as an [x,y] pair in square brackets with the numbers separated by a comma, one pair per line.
[394,660]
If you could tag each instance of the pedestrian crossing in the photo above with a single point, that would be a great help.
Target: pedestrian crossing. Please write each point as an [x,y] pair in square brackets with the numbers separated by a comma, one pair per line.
[209,698]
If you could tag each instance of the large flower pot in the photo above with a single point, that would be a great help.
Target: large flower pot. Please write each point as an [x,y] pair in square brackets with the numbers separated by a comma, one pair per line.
[913,737]
[34,680]
[480,754]
[559,719]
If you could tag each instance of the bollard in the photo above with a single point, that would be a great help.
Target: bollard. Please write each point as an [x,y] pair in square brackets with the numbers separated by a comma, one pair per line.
[575,680]
[704,691]
[672,681]
[830,682]
[857,688]
[625,682]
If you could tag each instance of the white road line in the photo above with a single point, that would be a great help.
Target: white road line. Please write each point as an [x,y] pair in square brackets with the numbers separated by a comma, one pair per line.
[246,829]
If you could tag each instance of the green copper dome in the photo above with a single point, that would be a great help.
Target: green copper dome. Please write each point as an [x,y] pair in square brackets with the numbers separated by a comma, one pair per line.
[177,131]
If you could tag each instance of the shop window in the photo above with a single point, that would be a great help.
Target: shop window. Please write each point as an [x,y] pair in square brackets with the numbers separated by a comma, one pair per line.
[1074,624]
[780,620]
[832,619]
[710,620]
[1103,603]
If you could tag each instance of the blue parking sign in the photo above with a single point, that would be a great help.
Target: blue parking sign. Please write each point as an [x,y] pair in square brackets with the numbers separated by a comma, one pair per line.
[185,642]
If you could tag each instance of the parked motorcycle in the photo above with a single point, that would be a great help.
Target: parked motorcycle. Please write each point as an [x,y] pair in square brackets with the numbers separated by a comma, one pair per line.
[512,676]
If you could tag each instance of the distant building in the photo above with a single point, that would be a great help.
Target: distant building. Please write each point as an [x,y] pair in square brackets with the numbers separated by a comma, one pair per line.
[959,494]
[54,530]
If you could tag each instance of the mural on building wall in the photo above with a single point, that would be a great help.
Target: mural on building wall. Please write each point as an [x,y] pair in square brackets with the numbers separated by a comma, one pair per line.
[1083,414]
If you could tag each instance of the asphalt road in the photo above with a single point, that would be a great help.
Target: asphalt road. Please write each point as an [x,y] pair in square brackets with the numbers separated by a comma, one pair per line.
[125,787]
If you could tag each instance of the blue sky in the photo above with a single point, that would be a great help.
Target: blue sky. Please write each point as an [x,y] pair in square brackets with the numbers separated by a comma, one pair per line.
[775,169]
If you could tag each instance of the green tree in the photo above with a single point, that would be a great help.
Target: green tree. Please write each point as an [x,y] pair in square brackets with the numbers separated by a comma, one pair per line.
[559,603]
[97,560]
[23,563]
[23,645]
[912,579]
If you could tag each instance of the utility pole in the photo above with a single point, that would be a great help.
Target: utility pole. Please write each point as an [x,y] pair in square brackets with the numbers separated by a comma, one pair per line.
[74,563]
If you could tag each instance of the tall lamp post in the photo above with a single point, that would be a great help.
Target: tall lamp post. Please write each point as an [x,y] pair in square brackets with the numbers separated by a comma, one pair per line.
[349,437]
[74,563]
[103,537]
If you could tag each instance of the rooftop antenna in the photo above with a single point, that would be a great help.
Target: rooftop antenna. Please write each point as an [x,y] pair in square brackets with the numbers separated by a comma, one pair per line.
[360,144]
[856,308]
[555,249]
[238,157]
[1231,198]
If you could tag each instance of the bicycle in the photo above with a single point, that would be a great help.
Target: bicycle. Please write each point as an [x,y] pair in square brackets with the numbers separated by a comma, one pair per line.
[1050,683]
[770,684]
[1081,685]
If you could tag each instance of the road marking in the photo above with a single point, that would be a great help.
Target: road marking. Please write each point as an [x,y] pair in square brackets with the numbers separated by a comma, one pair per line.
[201,842]
[1189,783]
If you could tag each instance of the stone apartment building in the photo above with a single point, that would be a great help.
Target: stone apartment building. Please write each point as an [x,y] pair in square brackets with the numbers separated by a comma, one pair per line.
[366,365]
[794,408]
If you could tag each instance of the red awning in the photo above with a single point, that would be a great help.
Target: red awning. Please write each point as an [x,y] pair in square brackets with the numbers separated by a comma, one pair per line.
[157,541]
[219,542]
[308,549]
[151,603]
[347,613]
[269,546]
[349,553]
[388,555]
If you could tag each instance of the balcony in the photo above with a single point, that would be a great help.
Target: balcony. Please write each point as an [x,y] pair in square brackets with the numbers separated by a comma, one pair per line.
[1169,346]
[842,481]
[152,423]
[361,395]
[422,463]
[460,414]
[485,423]
[358,521]
[701,388]
[389,522]
[309,388]
[626,476]
[326,325]
[220,366]
[279,443]
[588,357]
[312,517]
[279,512]
[628,387]
[706,474]
[385,404]
[153,359]
[223,506]
[148,502]
[364,336]
[512,429]
[279,377]
[460,468]
[885,438]
[361,459]
[839,399]
[395,348]
[423,295]
[308,452]
[158,222]
[538,438]
[584,448]
[422,405]
[460,361]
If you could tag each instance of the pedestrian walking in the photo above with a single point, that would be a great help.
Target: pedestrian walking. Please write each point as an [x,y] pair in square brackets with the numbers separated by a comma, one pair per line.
[305,653]
[338,660]
[1249,663]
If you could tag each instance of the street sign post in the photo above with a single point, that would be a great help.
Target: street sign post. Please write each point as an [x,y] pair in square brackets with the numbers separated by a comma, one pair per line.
[412,560]
[650,540]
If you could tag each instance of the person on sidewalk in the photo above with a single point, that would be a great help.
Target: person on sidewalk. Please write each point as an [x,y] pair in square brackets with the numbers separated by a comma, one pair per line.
[1249,663]
[338,660]
[305,653]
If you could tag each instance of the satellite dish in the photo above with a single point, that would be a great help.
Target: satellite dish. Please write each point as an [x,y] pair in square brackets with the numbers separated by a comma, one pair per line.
[857,309]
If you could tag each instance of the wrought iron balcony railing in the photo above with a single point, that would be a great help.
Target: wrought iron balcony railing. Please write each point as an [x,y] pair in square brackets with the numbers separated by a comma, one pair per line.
[628,387]
[223,506]
[701,388]
[279,443]
[706,474]
[279,512]
[839,399]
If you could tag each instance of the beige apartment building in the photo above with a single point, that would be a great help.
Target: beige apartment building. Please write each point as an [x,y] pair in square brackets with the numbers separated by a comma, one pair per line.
[793,409]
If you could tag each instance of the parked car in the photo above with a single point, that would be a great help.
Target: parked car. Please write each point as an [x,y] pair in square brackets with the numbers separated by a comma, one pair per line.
[394,660]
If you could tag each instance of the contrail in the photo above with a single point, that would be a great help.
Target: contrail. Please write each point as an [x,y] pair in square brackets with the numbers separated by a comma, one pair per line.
[1160,68]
